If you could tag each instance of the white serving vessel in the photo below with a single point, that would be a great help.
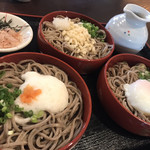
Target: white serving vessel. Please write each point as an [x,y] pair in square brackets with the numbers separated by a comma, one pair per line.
[129,29]
[26,31]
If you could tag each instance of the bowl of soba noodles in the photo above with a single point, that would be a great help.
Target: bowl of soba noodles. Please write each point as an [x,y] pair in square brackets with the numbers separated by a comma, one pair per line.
[123,88]
[15,33]
[79,40]
[44,103]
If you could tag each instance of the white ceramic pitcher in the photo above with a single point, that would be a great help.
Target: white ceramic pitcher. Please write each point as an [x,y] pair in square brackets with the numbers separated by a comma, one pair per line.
[129,29]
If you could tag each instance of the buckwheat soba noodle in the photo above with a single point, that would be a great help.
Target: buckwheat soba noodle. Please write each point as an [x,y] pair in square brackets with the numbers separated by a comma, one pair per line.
[119,75]
[76,37]
[50,130]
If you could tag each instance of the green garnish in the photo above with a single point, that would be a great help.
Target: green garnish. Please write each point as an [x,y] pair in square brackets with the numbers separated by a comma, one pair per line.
[94,31]
[18,109]
[7,24]
[4,109]
[7,99]
[35,117]
[28,113]
[9,115]
[7,104]
[9,85]
[4,23]
[40,114]
[16,92]
[144,75]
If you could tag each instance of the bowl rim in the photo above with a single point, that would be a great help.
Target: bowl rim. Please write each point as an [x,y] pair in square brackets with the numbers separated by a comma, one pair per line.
[67,55]
[105,78]
[85,124]
[21,45]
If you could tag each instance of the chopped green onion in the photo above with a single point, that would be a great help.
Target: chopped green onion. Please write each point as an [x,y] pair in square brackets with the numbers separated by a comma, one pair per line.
[34,119]
[40,114]
[9,115]
[16,92]
[4,109]
[94,31]
[2,94]
[28,113]
[2,120]
[144,75]
[18,109]
[7,104]
[9,85]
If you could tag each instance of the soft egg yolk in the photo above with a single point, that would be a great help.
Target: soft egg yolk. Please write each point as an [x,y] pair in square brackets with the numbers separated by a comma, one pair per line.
[29,94]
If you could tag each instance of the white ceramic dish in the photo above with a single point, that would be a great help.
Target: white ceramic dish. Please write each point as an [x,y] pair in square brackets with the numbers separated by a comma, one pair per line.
[26,32]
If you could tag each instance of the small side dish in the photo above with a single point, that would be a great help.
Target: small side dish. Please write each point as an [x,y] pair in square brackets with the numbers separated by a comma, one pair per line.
[15,33]
[9,36]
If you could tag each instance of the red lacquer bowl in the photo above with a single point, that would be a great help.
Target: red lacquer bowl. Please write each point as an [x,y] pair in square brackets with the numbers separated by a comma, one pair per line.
[72,75]
[83,66]
[111,104]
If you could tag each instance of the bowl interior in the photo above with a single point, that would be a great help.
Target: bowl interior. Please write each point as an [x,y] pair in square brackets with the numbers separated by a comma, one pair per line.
[70,14]
[119,113]
[132,60]
[26,31]
[72,74]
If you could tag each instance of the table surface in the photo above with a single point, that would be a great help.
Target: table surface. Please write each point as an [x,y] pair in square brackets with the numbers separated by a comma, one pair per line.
[101,10]
[102,133]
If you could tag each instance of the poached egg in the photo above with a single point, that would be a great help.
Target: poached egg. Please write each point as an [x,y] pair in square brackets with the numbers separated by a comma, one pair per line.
[138,95]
